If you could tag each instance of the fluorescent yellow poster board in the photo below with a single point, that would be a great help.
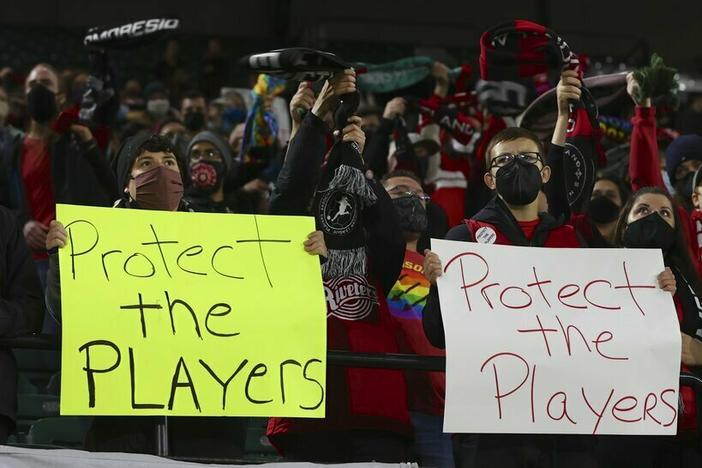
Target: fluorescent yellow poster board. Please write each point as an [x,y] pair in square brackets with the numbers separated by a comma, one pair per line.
[190,314]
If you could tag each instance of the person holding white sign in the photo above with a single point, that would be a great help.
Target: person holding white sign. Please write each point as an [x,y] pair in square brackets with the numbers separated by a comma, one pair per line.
[517,172]
[650,220]
[635,228]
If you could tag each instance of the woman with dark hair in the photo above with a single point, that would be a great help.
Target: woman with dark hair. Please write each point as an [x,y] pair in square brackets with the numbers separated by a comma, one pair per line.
[650,220]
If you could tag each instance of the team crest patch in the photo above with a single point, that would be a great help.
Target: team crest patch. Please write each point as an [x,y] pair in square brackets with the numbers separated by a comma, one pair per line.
[339,212]
[350,297]
[486,235]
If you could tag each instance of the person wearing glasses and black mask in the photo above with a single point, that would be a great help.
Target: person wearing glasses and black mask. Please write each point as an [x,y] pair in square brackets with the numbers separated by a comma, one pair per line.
[406,302]
[517,173]
[210,161]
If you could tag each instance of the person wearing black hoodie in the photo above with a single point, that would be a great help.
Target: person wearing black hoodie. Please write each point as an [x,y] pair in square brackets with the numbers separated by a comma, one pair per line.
[21,310]
[210,161]
[516,170]
[517,173]
[149,174]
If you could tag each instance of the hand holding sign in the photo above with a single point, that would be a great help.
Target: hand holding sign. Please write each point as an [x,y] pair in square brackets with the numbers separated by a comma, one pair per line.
[57,235]
[314,245]
[666,281]
[432,266]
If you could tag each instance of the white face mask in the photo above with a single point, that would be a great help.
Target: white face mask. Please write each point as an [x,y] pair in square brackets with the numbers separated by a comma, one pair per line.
[158,107]
[4,110]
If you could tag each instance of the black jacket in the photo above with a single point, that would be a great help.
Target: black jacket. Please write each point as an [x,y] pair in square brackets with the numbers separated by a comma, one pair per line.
[296,186]
[21,304]
[80,173]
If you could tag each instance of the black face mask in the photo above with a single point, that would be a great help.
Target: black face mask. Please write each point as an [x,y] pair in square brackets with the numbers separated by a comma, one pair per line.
[207,177]
[194,121]
[602,210]
[684,186]
[411,213]
[518,182]
[413,216]
[650,232]
[41,104]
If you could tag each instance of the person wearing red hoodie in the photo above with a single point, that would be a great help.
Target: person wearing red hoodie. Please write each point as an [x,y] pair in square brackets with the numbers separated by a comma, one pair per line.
[683,158]
[366,409]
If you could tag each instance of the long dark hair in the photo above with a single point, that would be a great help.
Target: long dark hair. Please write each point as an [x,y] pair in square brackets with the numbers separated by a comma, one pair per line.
[679,254]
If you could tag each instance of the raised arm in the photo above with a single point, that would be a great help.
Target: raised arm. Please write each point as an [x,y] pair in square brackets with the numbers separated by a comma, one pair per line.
[98,161]
[644,161]
[386,244]
[568,90]
[301,169]
[376,152]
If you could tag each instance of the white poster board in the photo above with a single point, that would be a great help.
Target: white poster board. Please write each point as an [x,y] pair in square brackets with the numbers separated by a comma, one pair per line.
[571,341]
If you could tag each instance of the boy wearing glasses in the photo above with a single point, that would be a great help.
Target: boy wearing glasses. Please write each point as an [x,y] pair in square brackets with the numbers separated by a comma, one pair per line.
[516,172]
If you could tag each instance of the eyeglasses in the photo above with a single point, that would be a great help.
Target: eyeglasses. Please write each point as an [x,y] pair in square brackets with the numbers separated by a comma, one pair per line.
[404,191]
[506,158]
[206,154]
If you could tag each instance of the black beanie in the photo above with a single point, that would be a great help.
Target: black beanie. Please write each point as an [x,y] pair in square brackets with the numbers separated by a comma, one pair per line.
[218,143]
[129,151]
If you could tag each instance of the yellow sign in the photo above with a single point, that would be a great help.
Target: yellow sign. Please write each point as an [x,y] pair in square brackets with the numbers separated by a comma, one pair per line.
[190,314]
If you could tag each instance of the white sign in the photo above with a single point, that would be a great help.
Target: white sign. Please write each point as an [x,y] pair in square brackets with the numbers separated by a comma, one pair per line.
[575,341]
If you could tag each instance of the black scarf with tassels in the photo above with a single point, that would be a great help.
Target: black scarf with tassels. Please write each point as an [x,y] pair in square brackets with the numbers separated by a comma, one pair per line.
[342,196]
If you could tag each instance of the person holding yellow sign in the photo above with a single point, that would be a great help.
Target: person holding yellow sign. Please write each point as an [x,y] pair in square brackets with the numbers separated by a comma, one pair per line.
[151,178]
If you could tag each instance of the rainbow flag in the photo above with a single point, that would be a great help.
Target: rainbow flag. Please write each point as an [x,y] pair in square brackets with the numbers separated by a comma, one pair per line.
[261,127]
